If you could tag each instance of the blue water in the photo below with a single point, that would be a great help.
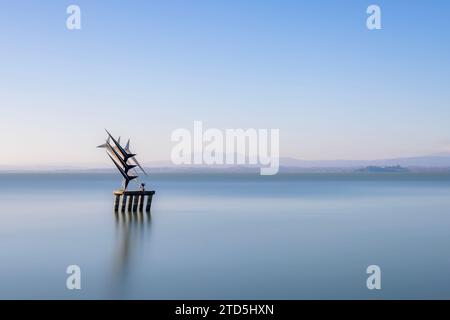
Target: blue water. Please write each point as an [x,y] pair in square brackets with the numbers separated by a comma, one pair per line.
[215,236]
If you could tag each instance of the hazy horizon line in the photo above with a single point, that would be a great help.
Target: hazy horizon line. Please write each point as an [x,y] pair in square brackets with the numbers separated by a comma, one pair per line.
[168,163]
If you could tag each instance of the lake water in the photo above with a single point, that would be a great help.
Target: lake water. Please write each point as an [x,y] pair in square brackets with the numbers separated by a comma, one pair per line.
[305,236]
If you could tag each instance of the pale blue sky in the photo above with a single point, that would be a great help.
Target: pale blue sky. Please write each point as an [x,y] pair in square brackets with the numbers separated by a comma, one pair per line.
[144,68]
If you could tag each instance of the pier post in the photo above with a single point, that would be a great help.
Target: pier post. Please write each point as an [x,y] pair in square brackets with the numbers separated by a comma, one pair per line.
[116,202]
[130,203]
[141,202]
[135,203]
[124,202]
[149,203]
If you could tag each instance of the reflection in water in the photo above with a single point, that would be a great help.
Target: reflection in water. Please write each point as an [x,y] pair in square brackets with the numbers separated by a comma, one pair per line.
[131,231]
[227,237]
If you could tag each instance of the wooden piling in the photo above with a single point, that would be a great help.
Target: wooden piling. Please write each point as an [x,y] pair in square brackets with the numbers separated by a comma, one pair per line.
[141,202]
[116,202]
[124,202]
[130,202]
[135,202]
[135,199]
[149,202]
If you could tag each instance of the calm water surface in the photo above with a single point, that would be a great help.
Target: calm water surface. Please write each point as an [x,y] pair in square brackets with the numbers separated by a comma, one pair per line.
[302,236]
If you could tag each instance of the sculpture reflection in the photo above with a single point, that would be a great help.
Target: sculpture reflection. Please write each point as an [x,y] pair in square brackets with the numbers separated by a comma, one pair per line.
[132,230]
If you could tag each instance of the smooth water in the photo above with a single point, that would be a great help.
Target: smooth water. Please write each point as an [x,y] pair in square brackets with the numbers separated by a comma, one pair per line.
[215,236]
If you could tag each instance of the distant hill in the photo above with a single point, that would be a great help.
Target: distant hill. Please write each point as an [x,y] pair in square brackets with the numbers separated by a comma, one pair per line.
[431,163]
[375,169]
[440,161]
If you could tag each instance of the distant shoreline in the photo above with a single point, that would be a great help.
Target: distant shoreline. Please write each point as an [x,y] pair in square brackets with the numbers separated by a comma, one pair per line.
[438,163]
[372,170]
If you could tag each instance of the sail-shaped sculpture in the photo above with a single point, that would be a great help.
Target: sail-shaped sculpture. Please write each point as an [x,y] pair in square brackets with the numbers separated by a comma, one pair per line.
[120,156]
[125,161]
[127,149]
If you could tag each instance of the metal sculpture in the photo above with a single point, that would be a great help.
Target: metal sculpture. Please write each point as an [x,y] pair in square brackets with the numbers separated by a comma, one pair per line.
[126,162]
[120,156]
